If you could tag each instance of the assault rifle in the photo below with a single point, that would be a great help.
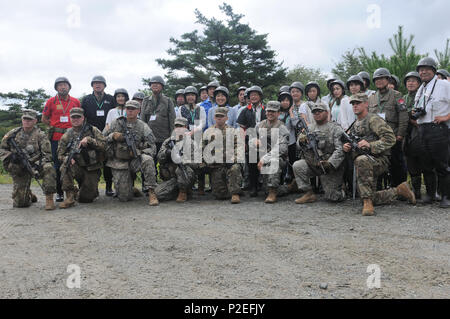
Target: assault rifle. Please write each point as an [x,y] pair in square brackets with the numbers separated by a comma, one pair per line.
[312,141]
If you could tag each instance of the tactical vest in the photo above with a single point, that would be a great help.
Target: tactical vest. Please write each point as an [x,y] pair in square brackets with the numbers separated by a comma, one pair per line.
[87,157]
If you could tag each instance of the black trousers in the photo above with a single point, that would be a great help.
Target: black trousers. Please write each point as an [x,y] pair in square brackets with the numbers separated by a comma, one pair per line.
[398,165]
[107,175]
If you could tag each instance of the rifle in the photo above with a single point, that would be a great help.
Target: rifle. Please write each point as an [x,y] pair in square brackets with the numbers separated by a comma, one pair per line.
[24,159]
[75,147]
[180,164]
[131,143]
[312,141]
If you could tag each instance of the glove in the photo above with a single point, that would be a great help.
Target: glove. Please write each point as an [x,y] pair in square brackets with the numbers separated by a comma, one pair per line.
[118,137]
[302,139]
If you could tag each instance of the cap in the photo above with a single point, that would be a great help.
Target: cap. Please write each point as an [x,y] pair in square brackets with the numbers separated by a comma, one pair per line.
[29,114]
[76,111]
[359,97]
[319,106]
[273,106]
[222,111]
[181,121]
[132,104]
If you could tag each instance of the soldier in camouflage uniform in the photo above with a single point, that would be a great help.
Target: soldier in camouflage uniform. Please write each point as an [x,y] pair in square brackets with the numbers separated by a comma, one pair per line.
[35,144]
[377,138]
[331,154]
[86,165]
[169,170]
[121,158]
[389,105]
[274,161]
[223,163]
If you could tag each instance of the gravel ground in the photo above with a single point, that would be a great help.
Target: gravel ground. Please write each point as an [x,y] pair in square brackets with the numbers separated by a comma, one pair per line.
[212,249]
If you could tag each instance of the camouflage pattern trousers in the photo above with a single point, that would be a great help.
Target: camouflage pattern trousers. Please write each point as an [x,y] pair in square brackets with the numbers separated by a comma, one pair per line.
[22,180]
[331,182]
[225,181]
[174,182]
[367,172]
[124,182]
[272,180]
[87,182]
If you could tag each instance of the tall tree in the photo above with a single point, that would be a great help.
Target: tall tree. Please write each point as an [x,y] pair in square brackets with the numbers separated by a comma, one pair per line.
[305,74]
[444,57]
[28,99]
[228,51]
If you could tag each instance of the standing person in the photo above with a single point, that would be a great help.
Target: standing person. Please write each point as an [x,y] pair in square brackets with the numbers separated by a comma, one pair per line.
[123,162]
[203,93]
[224,98]
[158,112]
[85,166]
[341,110]
[248,119]
[390,106]
[312,91]
[366,78]
[121,97]
[139,97]
[242,103]
[56,115]
[355,84]
[432,110]
[33,143]
[394,82]
[327,98]
[209,103]
[377,138]
[179,101]
[443,74]
[96,107]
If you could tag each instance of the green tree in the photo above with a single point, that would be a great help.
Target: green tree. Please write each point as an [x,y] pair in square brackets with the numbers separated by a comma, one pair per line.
[28,99]
[444,57]
[305,74]
[350,65]
[228,51]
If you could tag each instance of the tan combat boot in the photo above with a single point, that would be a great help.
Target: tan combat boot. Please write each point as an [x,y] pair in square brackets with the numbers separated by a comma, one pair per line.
[152,199]
[69,201]
[309,197]
[368,208]
[33,198]
[49,202]
[292,187]
[404,191]
[182,197]
[272,197]
[235,199]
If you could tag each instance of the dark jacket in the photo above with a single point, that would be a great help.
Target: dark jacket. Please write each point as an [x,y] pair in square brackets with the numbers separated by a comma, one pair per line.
[91,106]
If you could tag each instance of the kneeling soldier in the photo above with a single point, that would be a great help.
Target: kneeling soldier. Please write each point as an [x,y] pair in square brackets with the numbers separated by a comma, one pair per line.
[82,152]
[130,148]
[26,154]
[376,138]
[331,155]
[184,173]
[225,171]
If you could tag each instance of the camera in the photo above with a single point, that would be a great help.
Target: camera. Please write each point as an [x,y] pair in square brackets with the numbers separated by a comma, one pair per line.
[418,112]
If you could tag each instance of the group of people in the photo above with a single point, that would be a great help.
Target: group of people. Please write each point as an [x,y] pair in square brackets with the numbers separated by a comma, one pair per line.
[364,143]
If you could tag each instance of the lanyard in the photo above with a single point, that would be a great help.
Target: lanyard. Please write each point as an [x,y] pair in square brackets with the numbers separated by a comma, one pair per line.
[422,93]
[99,105]
[68,104]
[380,106]
[120,112]
[192,116]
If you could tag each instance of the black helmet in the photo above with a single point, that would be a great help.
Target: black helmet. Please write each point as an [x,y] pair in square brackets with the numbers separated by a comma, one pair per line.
[396,80]
[366,77]
[381,73]
[255,88]
[139,96]
[340,83]
[297,85]
[203,88]
[284,88]
[122,91]
[224,90]
[157,79]
[284,94]
[311,84]
[412,74]
[357,79]
[98,78]
[213,84]
[329,80]
[61,80]
[428,61]
[443,72]
[190,90]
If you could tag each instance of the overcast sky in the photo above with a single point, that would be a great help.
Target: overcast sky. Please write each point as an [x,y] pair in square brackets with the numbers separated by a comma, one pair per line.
[41,40]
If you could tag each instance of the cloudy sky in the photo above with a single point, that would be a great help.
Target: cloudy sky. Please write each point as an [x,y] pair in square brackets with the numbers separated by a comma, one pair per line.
[41,40]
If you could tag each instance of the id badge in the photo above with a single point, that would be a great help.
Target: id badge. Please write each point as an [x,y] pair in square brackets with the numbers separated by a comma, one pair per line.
[383,116]
[153,117]
[100,112]
[64,119]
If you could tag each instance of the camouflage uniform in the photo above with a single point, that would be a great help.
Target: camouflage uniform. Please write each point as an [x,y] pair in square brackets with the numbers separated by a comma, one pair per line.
[37,146]
[121,161]
[329,149]
[88,163]
[379,134]
[225,176]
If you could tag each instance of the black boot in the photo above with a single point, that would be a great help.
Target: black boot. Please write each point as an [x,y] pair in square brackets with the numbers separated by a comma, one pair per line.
[109,192]
[430,184]
[445,191]
[416,182]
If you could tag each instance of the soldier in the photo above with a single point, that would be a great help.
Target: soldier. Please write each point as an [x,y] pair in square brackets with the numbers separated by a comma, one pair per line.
[170,170]
[34,144]
[390,106]
[56,115]
[121,158]
[331,154]
[274,161]
[366,78]
[223,164]
[376,139]
[432,110]
[85,144]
